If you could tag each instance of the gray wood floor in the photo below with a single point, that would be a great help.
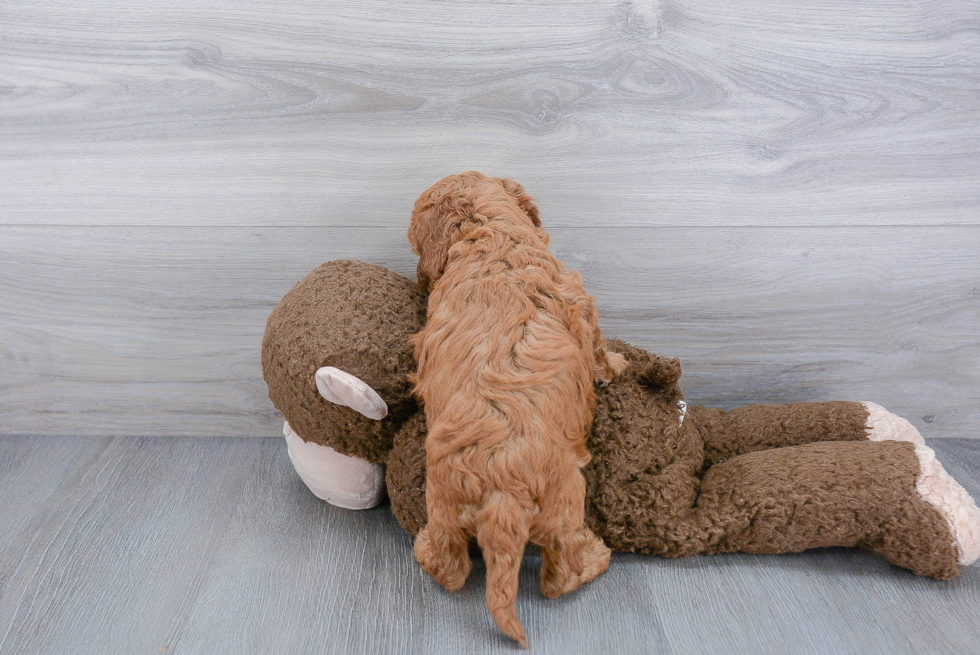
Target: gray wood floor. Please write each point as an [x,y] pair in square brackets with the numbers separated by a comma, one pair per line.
[785,195]
[210,546]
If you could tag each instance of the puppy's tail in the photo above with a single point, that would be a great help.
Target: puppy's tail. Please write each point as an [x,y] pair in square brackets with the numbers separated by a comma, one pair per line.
[502,532]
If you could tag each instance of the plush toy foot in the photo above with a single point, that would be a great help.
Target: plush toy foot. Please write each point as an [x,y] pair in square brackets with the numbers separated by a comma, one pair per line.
[882,425]
[340,480]
[936,532]
[940,490]
[891,497]
[934,484]
[572,562]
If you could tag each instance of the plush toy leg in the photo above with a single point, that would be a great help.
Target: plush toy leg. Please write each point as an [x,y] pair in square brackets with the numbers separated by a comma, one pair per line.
[761,427]
[891,497]
[347,482]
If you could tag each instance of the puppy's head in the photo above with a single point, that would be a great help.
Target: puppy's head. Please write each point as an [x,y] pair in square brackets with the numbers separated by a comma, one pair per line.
[442,209]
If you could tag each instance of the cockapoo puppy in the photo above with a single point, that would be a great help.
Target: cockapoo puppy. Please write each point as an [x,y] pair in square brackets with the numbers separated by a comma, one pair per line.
[506,364]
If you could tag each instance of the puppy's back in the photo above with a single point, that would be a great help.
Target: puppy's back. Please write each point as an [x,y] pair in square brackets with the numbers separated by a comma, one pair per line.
[508,347]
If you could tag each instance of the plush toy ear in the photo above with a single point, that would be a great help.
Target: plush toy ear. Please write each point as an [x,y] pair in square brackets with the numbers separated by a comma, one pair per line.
[525,201]
[660,372]
[342,388]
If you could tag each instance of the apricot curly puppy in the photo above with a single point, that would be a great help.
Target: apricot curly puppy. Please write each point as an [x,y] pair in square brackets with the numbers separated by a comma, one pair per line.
[506,364]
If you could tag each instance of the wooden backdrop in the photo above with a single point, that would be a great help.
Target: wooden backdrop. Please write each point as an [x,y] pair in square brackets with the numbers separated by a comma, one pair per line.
[786,195]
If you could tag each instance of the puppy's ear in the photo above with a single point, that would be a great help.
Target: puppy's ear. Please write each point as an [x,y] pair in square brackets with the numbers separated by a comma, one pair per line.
[525,201]
[435,221]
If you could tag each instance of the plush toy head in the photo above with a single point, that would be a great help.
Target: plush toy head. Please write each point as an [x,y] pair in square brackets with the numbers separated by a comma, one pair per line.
[336,356]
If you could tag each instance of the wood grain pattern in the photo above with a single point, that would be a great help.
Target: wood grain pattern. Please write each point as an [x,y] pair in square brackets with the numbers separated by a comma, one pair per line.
[786,197]
[157,330]
[612,113]
[215,546]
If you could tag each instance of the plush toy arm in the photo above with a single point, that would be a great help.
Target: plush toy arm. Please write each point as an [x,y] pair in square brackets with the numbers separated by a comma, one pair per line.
[405,476]
[761,427]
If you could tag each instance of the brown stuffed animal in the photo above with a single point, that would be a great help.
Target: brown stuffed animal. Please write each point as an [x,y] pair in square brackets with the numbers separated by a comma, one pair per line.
[665,478]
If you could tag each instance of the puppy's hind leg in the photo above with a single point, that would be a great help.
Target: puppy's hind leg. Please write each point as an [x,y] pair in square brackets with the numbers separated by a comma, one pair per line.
[571,554]
[570,561]
[442,548]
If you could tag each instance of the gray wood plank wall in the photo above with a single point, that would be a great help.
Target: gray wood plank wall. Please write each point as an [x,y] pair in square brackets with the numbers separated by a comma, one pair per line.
[785,195]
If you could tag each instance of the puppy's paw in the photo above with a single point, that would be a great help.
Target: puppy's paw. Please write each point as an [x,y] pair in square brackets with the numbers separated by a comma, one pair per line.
[616,362]
[448,569]
[584,558]
[609,368]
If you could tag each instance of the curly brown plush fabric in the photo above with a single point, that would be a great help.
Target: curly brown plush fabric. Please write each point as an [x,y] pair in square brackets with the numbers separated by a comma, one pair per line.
[761,479]
[356,317]
[652,490]
[760,427]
